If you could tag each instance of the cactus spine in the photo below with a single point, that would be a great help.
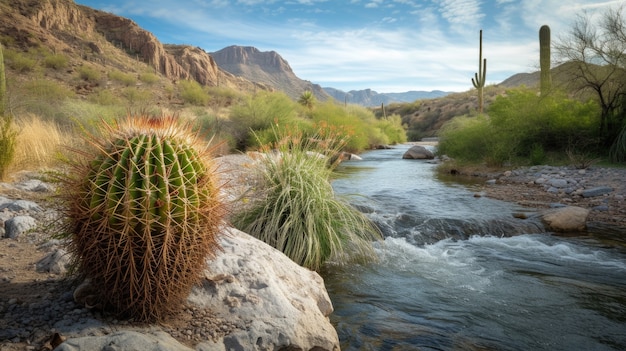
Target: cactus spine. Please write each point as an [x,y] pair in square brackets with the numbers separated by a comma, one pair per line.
[544,59]
[479,78]
[144,215]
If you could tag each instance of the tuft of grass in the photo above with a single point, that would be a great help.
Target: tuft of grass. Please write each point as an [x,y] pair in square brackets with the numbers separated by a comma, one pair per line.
[39,143]
[299,213]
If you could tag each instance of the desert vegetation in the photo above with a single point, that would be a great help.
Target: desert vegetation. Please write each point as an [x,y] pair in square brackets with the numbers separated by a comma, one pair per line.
[577,117]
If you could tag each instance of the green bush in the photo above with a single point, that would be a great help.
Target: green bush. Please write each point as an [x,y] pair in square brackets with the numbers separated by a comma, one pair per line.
[393,129]
[521,126]
[104,97]
[124,78]
[351,120]
[259,113]
[55,61]
[299,213]
[89,73]
[19,62]
[136,96]
[149,78]
[192,93]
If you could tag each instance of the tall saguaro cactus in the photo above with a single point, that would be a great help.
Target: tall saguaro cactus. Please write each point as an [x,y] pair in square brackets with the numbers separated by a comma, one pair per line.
[544,59]
[479,78]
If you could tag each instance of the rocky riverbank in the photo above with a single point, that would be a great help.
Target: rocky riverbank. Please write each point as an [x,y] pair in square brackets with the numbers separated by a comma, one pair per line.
[252,297]
[601,190]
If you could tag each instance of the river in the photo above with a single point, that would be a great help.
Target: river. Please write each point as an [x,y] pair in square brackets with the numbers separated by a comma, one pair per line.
[459,272]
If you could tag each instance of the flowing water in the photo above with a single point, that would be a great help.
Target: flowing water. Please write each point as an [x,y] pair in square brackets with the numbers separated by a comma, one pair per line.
[458,272]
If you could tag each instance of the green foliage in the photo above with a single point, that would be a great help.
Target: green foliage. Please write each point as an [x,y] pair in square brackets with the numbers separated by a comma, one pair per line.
[144,214]
[124,78]
[20,62]
[299,213]
[392,128]
[307,99]
[149,78]
[544,59]
[351,120]
[8,138]
[192,93]
[617,152]
[136,96]
[104,97]
[55,61]
[89,73]
[260,113]
[520,125]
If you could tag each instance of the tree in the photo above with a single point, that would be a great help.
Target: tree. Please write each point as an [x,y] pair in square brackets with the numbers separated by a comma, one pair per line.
[595,54]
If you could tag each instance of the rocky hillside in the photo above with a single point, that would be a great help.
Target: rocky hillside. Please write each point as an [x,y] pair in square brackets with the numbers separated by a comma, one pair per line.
[105,41]
[266,67]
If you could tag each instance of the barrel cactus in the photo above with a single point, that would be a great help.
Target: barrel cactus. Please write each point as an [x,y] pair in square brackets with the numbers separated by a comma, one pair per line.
[144,215]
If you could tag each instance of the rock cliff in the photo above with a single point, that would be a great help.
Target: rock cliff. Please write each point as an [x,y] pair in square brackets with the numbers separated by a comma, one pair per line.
[266,67]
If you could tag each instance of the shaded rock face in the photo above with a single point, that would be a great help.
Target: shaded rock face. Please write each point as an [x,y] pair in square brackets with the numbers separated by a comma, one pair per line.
[418,152]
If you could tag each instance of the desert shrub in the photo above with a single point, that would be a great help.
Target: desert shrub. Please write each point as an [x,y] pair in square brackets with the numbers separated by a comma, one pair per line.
[347,120]
[55,61]
[192,93]
[136,96]
[46,90]
[85,115]
[392,128]
[89,73]
[124,78]
[258,113]
[299,213]
[148,77]
[521,126]
[617,151]
[19,62]
[104,97]
[141,231]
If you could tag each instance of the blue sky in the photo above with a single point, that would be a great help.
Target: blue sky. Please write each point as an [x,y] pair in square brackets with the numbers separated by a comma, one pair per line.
[384,45]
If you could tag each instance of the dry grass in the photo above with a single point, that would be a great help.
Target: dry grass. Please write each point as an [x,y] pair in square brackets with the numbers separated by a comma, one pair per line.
[40,144]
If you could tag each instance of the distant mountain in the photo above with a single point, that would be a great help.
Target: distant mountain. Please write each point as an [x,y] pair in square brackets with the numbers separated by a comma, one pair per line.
[266,67]
[370,98]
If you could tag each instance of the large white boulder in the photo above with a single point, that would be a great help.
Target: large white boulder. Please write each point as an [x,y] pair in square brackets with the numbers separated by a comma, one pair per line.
[282,305]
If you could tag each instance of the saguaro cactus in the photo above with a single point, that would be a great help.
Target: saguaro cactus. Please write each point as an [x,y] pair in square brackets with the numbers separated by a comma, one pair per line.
[144,214]
[479,78]
[544,59]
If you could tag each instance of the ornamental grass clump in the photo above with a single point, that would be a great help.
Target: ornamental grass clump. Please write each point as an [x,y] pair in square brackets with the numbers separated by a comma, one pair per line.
[144,215]
[299,213]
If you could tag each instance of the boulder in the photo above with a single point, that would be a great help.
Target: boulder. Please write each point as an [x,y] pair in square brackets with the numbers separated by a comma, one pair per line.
[597,191]
[18,225]
[418,152]
[55,262]
[565,219]
[282,305]
[124,341]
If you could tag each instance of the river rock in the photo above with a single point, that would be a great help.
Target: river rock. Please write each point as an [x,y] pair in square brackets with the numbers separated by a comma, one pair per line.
[597,191]
[18,225]
[55,262]
[418,152]
[20,205]
[283,305]
[566,219]
[124,341]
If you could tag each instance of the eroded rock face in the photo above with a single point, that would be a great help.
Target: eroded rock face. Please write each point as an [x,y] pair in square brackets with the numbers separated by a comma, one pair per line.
[281,304]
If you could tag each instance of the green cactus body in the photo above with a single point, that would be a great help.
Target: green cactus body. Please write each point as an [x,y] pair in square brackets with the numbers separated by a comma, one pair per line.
[480,78]
[144,217]
[544,59]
